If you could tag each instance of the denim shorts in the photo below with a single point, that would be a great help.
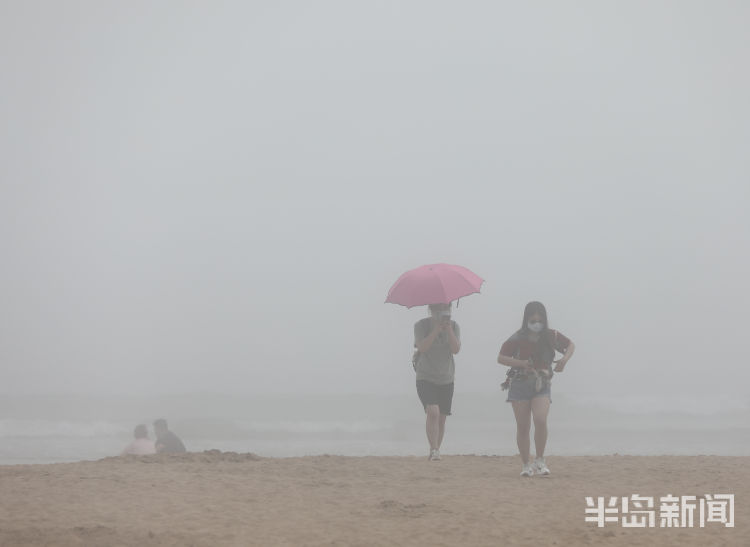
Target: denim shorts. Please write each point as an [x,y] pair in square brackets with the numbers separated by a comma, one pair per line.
[523,389]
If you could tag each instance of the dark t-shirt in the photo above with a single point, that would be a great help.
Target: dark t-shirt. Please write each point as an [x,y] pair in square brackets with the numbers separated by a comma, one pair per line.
[169,442]
[521,347]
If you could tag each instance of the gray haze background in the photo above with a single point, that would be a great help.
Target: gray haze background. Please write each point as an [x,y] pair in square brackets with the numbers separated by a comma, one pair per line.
[216,197]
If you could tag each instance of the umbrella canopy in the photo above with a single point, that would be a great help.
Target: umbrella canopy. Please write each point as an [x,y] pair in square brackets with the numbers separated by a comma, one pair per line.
[433,284]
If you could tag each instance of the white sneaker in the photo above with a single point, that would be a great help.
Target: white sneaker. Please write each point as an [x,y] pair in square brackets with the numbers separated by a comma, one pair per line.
[540,467]
[435,455]
[527,470]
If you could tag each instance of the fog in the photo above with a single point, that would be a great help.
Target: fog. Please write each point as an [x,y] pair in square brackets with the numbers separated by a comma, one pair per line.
[214,198]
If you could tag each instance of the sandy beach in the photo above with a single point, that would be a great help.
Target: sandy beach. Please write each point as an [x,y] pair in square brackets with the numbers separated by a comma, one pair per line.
[214,498]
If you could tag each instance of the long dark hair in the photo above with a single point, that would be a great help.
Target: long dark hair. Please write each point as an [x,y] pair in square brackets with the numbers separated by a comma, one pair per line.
[545,337]
[531,309]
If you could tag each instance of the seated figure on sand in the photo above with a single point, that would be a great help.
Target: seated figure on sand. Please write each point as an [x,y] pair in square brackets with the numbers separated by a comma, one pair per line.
[142,444]
[167,441]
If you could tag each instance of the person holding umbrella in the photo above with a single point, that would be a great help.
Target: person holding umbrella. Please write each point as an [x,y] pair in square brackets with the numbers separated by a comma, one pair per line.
[529,353]
[437,339]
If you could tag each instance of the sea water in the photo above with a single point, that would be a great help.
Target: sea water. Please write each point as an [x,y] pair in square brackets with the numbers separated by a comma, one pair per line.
[65,429]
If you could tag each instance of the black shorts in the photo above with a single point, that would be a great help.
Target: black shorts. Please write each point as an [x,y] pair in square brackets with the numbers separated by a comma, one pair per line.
[435,394]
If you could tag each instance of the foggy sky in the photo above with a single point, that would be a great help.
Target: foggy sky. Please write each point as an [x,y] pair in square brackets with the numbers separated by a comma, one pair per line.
[217,196]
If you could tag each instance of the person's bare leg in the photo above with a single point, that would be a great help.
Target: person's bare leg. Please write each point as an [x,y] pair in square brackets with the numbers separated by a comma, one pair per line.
[442,430]
[540,410]
[433,426]
[522,411]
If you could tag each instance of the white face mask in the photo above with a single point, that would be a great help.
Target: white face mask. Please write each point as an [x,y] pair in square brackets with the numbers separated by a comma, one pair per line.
[536,327]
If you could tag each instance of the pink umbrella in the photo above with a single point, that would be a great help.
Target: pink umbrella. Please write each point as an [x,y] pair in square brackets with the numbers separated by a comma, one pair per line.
[433,284]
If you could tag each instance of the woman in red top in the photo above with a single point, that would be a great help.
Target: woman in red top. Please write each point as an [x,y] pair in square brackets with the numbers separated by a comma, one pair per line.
[530,353]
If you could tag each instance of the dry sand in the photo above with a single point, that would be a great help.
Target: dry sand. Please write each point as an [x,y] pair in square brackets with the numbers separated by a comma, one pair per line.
[216,499]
